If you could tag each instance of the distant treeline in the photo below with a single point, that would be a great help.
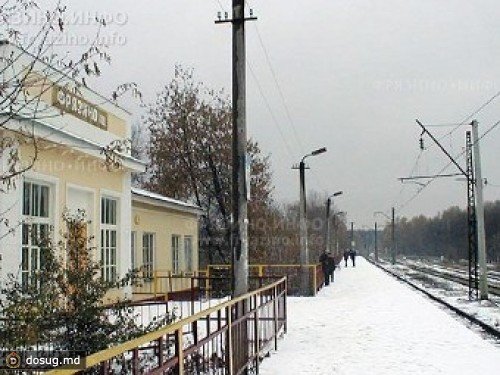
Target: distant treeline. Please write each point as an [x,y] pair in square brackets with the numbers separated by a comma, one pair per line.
[445,234]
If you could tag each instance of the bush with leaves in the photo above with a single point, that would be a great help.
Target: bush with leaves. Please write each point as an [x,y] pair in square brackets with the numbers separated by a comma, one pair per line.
[62,307]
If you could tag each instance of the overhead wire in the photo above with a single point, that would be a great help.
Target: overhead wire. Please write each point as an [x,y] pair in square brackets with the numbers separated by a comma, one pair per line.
[283,100]
[459,155]
[474,113]
[220,5]
[456,127]
[280,91]
[281,95]
[268,106]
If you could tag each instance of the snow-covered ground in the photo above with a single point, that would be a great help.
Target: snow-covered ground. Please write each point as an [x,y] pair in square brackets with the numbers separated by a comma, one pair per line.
[367,323]
[453,293]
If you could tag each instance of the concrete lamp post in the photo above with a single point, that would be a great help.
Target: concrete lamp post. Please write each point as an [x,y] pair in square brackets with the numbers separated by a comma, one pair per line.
[328,204]
[304,251]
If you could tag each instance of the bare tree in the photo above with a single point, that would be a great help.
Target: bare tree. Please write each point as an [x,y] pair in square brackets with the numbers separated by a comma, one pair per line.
[32,68]
[190,158]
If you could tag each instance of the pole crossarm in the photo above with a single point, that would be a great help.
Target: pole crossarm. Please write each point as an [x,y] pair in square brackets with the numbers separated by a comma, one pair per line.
[403,179]
[464,173]
[236,20]
[382,213]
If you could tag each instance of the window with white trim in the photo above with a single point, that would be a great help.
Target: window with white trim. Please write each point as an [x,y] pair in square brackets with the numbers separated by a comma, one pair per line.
[148,254]
[109,238]
[176,239]
[188,253]
[37,222]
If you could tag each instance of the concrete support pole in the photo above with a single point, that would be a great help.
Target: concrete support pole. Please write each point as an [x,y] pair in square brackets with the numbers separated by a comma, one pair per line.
[239,192]
[304,250]
[327,237]
[393,238]
[481,241]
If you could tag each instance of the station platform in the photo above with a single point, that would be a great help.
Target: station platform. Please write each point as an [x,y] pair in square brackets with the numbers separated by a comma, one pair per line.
[368,323]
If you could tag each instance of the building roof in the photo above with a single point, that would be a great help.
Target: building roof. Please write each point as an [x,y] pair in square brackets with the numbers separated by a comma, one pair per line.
[144,196]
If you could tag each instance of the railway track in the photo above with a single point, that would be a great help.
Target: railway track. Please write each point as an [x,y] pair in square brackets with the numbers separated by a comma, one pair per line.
[493,282]
[487,328]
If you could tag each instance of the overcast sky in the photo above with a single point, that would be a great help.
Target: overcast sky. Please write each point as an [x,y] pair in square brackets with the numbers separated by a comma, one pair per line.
[349,75]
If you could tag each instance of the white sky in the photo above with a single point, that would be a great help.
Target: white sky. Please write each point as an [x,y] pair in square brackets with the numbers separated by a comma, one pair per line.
[354,74]
[366,322]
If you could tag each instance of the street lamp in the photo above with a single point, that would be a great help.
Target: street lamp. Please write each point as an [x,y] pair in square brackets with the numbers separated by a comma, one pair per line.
[304,251]
[328,203]
[393,245]
[336,226]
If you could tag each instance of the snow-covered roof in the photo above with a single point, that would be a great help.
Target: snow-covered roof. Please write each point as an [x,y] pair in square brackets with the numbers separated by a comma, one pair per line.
[145,196]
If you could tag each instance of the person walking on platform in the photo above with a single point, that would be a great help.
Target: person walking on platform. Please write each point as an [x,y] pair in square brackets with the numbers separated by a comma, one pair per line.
[331,267]
[352,255]
[323,259]
[346,256]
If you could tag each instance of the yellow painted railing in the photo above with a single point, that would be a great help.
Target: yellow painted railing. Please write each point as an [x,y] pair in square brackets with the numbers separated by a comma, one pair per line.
[164,283]
[291,271]
[224,339]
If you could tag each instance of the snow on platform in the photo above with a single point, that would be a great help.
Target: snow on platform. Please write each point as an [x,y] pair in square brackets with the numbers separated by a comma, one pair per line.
[368,323]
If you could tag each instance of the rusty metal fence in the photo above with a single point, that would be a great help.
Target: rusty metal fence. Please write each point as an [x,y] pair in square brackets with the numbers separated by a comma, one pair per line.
[215,281]
[263,271]
[225,339]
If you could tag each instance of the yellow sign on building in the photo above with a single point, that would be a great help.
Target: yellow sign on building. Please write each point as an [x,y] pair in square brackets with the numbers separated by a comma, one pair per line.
[72,103]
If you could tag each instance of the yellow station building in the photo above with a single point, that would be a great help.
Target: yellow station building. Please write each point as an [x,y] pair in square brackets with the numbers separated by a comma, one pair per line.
[132,228]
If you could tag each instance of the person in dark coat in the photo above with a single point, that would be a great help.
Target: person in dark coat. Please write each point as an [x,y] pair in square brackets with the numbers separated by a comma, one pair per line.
[352,255]
[331,267]
[323,259]
[346,256]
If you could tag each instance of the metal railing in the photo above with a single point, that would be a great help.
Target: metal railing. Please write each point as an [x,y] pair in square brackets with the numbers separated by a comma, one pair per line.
[165,285]
[225,339]
[291,271]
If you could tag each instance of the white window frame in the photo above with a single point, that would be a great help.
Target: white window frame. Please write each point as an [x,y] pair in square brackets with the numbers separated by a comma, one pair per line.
[148,255]
[188,253]
[176,243]
[109,232]
[133,249]
[32,223]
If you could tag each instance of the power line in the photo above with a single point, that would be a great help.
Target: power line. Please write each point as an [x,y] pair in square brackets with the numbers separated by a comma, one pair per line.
[446,167]
[278,87]
[268,106]
[457,126]
[473,114]
[220,5]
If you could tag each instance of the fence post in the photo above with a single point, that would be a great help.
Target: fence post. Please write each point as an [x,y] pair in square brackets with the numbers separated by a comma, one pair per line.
[284,304]
[192,295]
[179,350]
[256,333]
[275,308]
[229,314]
[160,351]
[135,361]
[155,275]
[315,280]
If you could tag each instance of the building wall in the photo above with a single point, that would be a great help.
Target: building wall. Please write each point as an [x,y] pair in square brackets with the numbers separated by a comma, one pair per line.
[165,223]
[69,160]
[76,181]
